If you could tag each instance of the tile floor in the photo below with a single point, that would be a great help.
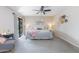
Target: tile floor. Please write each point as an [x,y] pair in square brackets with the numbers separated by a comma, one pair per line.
[55,45]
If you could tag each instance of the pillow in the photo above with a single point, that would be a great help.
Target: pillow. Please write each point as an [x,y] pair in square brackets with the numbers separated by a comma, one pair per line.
[2,40]
[1,35]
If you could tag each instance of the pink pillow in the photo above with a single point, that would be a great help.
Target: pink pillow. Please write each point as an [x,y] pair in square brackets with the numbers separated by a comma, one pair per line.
[2,40]
[34,33]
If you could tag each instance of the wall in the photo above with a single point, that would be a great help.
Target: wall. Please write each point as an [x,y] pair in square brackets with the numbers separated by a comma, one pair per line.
[6,20]
[72,27]
[33,21]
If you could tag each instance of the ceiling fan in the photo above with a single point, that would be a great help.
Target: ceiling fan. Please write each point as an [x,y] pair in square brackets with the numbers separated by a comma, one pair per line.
[43,10]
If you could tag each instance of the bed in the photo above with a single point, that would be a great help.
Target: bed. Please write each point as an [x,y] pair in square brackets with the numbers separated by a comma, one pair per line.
[39,34]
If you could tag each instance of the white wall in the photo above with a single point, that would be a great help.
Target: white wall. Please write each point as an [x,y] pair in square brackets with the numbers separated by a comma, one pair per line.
[72,27]
[32,21]
[6,20]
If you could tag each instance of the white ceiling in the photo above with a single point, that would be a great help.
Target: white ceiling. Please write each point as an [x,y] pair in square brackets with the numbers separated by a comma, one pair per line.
[29,10]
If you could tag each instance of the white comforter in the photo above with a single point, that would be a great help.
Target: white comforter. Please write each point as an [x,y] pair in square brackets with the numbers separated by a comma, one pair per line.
[39,34]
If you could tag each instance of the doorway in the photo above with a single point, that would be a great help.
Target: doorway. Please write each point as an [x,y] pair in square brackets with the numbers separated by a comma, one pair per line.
[20,26]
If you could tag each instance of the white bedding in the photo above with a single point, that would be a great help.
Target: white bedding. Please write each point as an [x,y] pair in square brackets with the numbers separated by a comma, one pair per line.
[39,34]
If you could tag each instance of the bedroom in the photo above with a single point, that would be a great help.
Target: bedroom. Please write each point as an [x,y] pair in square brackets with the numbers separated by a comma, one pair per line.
[42,23]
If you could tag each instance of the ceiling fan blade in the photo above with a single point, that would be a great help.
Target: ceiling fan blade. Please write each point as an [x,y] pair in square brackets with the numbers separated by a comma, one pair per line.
[38,12]
[44,12]
[47,10]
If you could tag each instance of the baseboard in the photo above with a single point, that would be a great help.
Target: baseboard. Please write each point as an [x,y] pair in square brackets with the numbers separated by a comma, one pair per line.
[67,38]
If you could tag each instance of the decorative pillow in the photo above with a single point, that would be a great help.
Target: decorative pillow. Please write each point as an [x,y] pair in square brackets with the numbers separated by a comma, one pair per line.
[34,33]
[2,40]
